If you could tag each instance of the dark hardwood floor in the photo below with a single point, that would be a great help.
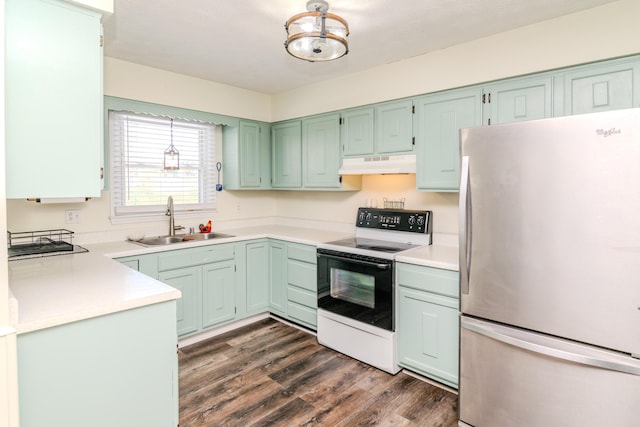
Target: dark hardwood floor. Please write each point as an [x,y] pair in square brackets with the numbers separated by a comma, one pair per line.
[272,374]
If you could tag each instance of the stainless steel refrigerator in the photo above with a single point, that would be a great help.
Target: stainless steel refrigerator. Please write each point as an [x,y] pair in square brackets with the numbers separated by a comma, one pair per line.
[550,272]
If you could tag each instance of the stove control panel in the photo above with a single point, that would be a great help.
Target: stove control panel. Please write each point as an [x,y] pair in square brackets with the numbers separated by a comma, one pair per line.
[395,219]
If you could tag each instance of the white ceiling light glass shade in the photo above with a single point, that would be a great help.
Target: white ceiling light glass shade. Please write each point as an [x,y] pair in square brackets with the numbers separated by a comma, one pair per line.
[317,35]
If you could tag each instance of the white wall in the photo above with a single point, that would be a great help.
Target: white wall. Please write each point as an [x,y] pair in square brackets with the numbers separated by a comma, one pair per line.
[127,80]
[599,33]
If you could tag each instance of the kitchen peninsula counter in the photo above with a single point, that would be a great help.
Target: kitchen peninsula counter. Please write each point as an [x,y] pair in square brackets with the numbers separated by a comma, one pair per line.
[56,290]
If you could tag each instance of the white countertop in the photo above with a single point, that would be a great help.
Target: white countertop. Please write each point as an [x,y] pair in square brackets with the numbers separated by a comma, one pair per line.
[437,256]
[61,289]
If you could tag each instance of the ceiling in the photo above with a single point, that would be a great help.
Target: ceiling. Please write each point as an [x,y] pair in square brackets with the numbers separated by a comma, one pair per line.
[241,42]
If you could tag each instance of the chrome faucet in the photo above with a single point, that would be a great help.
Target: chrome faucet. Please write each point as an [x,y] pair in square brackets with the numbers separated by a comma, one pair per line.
[172,222]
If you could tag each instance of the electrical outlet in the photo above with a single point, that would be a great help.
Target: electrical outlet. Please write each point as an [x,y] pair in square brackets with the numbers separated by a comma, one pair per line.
[72,216]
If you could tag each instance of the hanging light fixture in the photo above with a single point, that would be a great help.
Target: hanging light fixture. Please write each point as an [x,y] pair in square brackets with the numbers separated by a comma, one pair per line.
[171,155]
[317,35]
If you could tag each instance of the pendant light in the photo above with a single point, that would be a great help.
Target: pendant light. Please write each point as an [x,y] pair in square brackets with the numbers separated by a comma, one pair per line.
[316,35]
[171,155]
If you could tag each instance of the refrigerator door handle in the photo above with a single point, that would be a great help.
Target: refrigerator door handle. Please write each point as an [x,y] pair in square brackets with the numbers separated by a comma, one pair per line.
[464,217]
[584,359]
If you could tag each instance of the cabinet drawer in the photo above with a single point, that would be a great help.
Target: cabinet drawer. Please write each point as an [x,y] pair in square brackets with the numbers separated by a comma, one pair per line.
[302,275]
[310,299]
[443,282]
[194,256]
[304,253]
[304,314]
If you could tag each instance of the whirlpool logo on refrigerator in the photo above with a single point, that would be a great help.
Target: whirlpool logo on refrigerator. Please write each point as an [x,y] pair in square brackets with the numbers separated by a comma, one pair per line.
[608,132]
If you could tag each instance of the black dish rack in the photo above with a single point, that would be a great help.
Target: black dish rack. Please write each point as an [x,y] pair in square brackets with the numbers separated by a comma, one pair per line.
[39,242]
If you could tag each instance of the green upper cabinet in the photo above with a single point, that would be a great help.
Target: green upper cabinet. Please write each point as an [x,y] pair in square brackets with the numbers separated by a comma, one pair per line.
[286,144]
[518,99]
[53,78]
[321,151]
[247,156]
[356,131]
[612,85]
[439,118]
[394,127]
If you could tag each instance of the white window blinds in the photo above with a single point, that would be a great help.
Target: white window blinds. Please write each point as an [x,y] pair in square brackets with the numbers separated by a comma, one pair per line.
[139,183]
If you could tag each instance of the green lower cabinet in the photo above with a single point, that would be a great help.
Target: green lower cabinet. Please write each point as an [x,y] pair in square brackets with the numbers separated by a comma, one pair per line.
[257,277]
[428,322]
[188,281]
[206,277]
[277,277]
[119,369]
[146,264]
[302,288]
[218,293]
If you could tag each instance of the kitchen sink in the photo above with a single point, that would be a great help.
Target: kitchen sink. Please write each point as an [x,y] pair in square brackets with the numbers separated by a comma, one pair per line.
[169,240]
[206,236]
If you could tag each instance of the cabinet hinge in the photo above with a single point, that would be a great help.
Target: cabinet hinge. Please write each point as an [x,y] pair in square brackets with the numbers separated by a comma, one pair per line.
[101,41]
[177,349]
[413,140]
[484,98]
[340,179]
[339,120]
[489,121]
[101,173]
[413,109]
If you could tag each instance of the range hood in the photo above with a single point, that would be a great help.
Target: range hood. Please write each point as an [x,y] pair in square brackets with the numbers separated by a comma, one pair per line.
[372,165]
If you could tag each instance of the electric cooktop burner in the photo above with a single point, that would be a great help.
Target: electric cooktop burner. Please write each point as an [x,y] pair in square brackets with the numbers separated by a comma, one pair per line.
[372,244]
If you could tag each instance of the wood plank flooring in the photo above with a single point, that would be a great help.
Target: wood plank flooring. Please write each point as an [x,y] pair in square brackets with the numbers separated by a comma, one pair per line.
[272,374]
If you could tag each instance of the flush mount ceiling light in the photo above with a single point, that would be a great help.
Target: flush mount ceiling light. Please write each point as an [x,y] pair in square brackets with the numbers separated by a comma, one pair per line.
[317,35]
[171,155]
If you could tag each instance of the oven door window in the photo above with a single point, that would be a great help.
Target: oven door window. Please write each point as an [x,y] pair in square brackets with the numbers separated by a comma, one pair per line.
[358,288]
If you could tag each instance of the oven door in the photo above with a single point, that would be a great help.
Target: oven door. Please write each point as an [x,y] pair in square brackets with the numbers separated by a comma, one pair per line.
[357,287]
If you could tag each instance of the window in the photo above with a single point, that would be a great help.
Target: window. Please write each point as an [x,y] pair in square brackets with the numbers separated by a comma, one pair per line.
[139,184]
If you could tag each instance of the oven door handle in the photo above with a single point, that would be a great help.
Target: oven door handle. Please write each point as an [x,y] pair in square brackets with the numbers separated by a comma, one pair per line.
[357,261]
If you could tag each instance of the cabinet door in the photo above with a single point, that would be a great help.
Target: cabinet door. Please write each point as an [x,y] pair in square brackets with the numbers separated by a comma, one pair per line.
[321,151]
[394,129]
[518,100]
[218,293]
[146,264]
[356,132]
[439,120]
[188,281]
[126,361]
[428,330]
[53,75]
[277,277]
[602,87]
[249,153]
[286,142]
[257,266]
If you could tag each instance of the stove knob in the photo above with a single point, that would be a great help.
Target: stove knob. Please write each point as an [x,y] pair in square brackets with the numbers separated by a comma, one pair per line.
[361,216]
[369,216]
[420,220]
[412,220]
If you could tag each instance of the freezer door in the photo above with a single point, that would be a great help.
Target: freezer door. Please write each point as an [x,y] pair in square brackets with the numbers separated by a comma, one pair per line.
[510,377]
[550,226]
